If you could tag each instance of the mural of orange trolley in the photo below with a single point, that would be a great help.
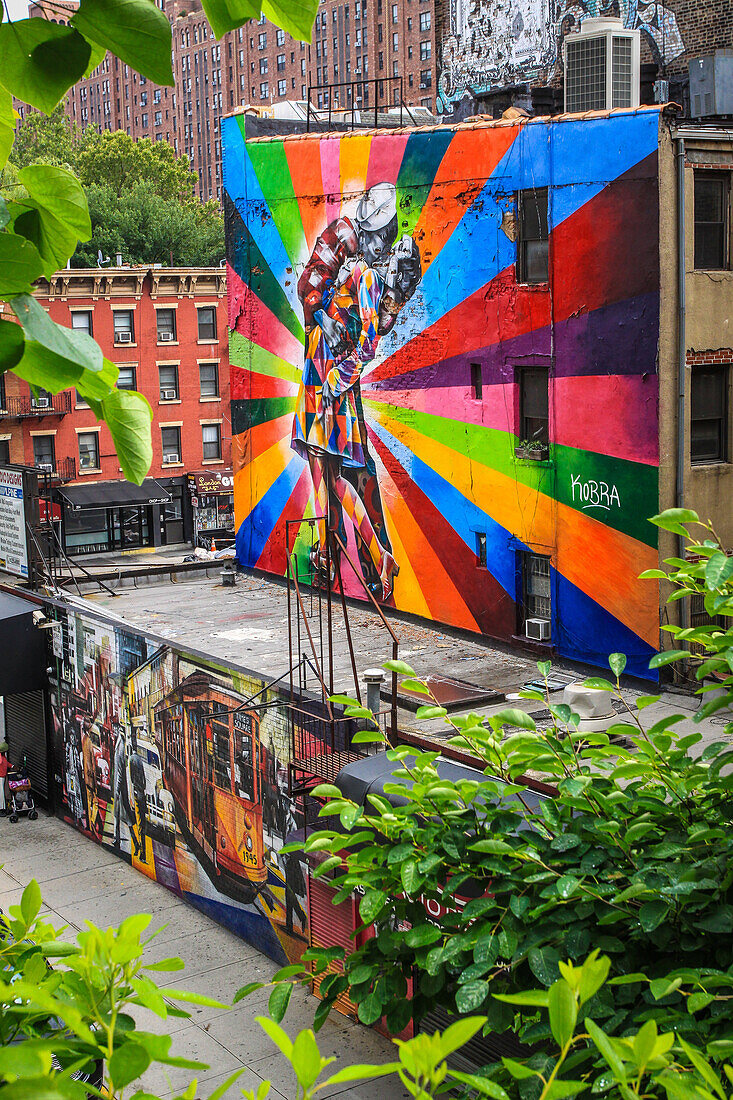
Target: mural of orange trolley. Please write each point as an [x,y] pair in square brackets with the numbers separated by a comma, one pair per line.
[213,765]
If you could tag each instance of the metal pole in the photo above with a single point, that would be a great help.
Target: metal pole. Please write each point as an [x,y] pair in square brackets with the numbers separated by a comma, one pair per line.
[393,731]
[329,610]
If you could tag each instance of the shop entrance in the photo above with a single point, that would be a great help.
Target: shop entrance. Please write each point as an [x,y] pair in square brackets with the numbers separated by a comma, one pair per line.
[110,516]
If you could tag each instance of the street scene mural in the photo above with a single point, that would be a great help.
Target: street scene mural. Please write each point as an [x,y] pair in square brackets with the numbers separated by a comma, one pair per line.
[162,761]
[491,43]
[483,443]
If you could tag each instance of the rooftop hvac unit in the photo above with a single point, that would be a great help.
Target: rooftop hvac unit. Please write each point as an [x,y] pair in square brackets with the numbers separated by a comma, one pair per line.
[165,337]
[123,337]
[537,629]
[602,66]
[168,395]
[711,85]
[169,458]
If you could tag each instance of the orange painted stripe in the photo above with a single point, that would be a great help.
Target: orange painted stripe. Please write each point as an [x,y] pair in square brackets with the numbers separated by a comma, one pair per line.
[254,478]
[460,178]
[354,164]
[305,172]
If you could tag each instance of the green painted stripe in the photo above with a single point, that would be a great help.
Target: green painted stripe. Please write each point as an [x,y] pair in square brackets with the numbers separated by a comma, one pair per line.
[271,168]
[576,478]
[248,414]
[250,356]
[420,161]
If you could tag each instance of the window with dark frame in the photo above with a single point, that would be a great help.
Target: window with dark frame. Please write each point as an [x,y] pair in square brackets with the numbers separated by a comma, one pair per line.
[534,405]
[171,443]
[88,450]
[168,376]
[4,451]
[533,247]
[481,550]
[124,326]
[81,321]
[211,441]
[126,379]
[712,220]
[209,379]
[709,415]
[536,586]
[207,323]
[44,455]
[477,384]
[166,322]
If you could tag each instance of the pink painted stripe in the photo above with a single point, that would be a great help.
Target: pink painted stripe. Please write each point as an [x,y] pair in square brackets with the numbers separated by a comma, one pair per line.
[385,158]
[331,176]
[251,317]
[615,415]
[496,410]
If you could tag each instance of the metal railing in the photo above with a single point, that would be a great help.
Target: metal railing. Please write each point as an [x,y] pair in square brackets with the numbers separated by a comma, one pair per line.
[17,408]
[357,100]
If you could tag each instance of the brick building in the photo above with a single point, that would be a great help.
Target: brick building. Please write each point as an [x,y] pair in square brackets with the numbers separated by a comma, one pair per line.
[392,42]
[166,330]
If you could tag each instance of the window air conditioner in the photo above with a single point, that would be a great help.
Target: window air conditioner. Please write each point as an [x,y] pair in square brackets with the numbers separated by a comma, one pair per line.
[47,467]
[602,66]
[168,395]
[537,629]
[123,337]
[165,337]
[169,458]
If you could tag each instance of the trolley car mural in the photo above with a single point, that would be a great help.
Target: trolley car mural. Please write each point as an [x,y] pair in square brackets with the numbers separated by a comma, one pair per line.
[160,757]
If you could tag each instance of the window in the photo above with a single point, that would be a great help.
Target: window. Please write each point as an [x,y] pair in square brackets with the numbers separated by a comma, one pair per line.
[4,451]
[280,37]
[43,452]
[536,586]
[426,78]
[168,382]
[124,326]
[211,440]
[144,121]
[263,66]
[481,552]
[209,379]
[126,379]
[282,87]
[166,322]
[207,321]
[709,415]
[158,118]
[534,417]
[81,321]
[424,20]
[264,94]
[426,50]
[477,385]
[533,243]
[395,14]
[281,63]
[171,443]
[712,216]
[263,40]
[395,41]
[89,450]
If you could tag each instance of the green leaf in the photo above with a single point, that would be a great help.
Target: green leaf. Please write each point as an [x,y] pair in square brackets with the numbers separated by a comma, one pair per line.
[76,349]
[326,790]
[136,31]
[226,15]
[459,1033]
[400,668]
[30,902]
[360,1073]
[427,712]
[471,996]
[666,658]
[128,1061]
[422,935]
[20,262]
[518,1070]
[532,997]
[370,1009]
[651,914]
[512,716]
[165,965]
[645,1041]
[718,570]
[184,995]
[415,685]
[22,1060]
[617,663]
[279,1000]
[563,1011]
[295,19]
[306,1059]
[696,1001]
[41,60]
[662,987]
[221,1090]
[598,683]
[410,876]
[128,416]
[371,905]
[60,216]
[483,1085]
[8,118]
[672,518]
[606,1049]
[245,990]
[279,1037]
[566,885]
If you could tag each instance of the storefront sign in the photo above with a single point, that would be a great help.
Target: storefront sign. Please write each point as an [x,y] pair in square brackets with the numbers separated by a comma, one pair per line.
[13,544]
[211,483]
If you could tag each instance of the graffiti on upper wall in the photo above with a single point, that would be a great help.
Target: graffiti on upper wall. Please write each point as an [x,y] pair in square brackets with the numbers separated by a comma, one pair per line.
[492,43]
[162,761]
[385,358]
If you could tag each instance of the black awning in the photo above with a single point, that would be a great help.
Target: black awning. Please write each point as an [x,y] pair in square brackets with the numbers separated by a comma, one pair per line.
[107,494]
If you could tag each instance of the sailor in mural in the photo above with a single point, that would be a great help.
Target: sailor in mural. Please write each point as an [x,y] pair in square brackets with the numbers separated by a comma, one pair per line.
[352,290]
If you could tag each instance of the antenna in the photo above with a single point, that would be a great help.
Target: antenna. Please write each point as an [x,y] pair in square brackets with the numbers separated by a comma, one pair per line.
[102,260]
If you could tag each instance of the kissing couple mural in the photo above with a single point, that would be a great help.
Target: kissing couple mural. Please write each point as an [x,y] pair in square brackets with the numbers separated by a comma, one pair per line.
[357,280]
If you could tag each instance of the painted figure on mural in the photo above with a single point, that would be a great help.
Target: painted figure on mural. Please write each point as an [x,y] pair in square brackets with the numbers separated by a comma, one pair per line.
[352,289]
[121,797]
[137,781]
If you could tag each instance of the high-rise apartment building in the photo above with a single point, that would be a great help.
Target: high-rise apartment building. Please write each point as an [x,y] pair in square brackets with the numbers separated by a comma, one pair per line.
[353,42]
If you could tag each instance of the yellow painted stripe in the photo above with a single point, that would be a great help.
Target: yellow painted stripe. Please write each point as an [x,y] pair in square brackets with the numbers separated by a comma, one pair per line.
[254,479]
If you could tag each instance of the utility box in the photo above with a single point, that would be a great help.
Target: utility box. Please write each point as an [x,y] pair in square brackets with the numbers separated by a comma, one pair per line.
[711,84]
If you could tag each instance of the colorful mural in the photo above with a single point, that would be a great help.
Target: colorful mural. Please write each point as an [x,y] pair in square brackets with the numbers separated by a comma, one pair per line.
[162,760]
[378,342]
[491,43]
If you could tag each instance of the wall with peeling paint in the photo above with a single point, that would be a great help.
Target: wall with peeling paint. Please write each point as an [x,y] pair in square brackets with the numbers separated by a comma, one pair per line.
[441,473]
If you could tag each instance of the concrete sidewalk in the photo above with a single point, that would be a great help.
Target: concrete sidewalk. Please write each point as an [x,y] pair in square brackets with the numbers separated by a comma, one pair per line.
[82,881]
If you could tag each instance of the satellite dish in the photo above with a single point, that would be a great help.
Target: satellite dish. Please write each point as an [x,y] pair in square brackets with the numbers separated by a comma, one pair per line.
[102,260]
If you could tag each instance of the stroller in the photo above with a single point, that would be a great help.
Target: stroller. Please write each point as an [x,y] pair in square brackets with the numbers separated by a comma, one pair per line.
[19,787]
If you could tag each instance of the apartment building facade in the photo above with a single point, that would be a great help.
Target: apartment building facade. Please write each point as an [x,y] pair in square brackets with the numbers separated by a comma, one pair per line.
[165,328]
[353,41]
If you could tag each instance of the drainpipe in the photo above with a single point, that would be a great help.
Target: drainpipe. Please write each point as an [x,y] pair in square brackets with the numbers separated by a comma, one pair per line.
[681,347]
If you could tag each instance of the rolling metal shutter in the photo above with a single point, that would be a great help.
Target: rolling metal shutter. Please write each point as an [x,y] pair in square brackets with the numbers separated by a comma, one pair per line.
[26,732]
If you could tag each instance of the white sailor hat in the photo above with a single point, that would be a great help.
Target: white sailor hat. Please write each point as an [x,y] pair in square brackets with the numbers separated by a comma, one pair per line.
[377,207]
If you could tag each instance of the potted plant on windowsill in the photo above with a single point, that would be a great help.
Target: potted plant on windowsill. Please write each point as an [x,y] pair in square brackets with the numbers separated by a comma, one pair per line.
[534,449]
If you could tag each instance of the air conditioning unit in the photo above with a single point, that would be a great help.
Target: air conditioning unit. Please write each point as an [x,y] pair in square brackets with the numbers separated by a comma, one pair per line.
[123,337]
[47,467]
[169,458]
[168,395]
[537,629]
[41,402]
[165,337]
[602,66]
[711,84]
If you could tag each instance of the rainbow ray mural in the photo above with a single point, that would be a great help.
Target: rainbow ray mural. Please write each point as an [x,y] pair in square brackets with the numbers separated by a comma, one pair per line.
[484,438]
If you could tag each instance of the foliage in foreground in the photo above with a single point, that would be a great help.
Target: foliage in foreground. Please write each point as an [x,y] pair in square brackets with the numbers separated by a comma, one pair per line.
[42,224]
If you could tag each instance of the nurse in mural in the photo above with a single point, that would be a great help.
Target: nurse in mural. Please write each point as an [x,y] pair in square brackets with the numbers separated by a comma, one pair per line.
[352,290]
